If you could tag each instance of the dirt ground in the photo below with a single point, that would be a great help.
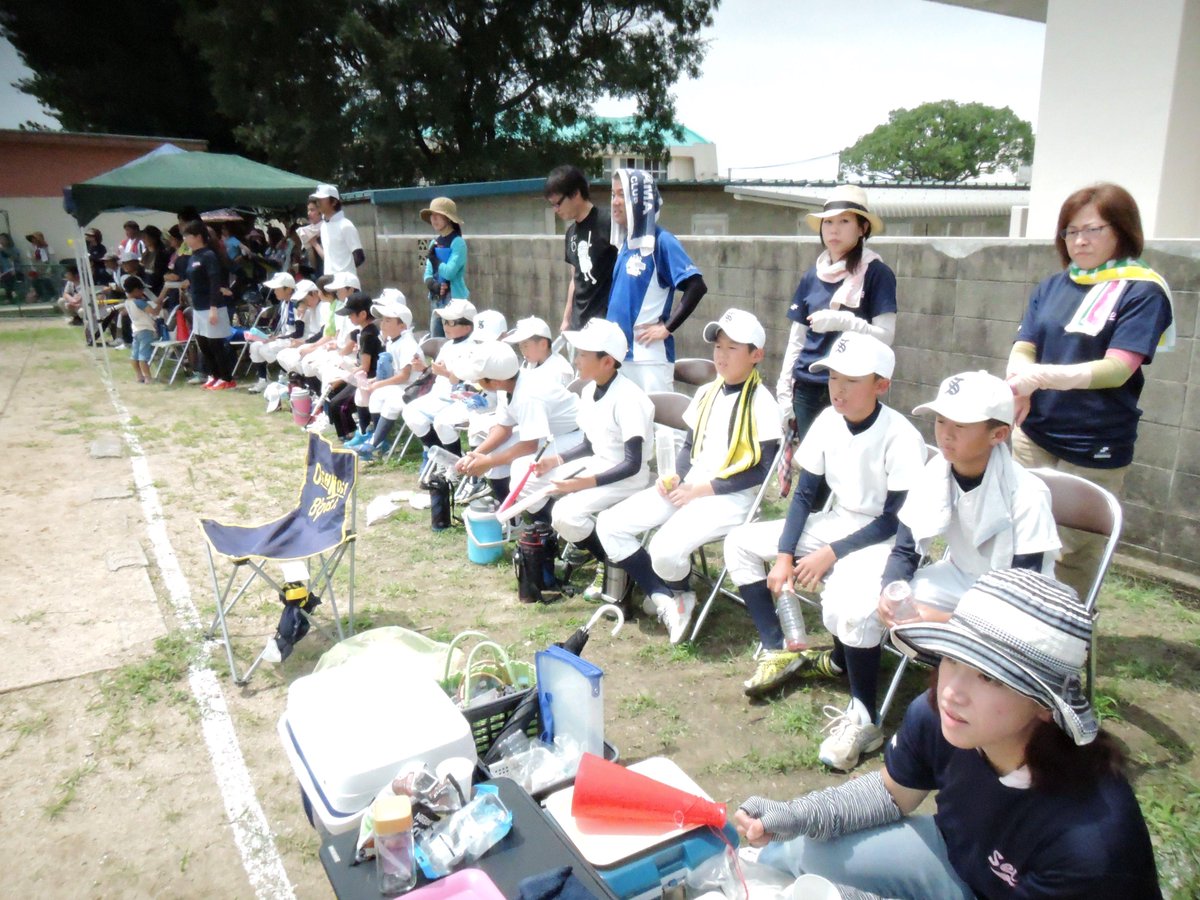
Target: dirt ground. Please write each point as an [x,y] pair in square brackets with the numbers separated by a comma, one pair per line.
[110,791]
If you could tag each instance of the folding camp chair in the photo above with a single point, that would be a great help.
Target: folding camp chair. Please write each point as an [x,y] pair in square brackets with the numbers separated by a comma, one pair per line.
[319,531]
[176,351]
[430,347]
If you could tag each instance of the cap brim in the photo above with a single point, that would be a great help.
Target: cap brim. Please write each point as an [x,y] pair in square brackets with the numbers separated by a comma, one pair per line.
[1072,713]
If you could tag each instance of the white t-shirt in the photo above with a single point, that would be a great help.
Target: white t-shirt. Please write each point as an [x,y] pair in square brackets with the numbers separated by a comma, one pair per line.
[555,366]
[402,349]
[538,408]
[340,239]
[623,412]
[715,446]
[314,318]
[861,468]
[139,319]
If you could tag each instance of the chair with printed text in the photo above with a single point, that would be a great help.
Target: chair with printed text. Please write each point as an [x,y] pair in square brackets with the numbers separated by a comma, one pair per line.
[309,543]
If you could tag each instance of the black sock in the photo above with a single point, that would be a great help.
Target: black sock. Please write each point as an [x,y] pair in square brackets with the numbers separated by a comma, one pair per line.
[454,446]
[364,418]
[382,429]
[261,369]
[430,439]
[500,488]
[862,668]
[592,545]
[761,607]
[839,654]
[641,570]
[684,584]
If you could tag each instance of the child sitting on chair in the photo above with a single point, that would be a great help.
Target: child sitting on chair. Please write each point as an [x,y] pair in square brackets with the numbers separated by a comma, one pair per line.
[611,463]
[400,364]
[733,432]
[264,352]
[869,455]
[990,511]
[532,337]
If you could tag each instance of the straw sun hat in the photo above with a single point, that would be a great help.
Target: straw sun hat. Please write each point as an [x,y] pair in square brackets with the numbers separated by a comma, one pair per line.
[845,197]
[443,205]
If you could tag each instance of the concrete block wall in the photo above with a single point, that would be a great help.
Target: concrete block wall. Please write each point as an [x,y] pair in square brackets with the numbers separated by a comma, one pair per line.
[960,301]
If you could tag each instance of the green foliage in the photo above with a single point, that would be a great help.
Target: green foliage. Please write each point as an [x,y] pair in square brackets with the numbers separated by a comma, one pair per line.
[941,141]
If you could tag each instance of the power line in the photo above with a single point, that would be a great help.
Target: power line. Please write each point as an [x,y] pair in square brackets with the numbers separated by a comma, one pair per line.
[798,162]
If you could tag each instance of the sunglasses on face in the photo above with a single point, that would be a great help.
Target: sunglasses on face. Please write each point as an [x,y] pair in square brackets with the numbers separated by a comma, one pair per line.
[460,322]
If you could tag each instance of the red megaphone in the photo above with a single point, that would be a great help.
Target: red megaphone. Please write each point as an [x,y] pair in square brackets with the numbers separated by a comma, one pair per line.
[605,790]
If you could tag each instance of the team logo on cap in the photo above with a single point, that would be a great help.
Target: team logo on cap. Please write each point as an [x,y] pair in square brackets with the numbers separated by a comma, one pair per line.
[953,387]
[842,345]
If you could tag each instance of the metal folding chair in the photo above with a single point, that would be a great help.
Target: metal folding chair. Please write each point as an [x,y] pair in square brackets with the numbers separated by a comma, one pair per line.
[319,532]
[171,350]
[695,371]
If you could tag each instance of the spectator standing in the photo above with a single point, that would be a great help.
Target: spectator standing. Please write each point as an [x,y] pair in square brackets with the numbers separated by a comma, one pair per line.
[132,242]
[589,252]
[651,264]
[210,318]
[446,262]
[340,244]
[95,250]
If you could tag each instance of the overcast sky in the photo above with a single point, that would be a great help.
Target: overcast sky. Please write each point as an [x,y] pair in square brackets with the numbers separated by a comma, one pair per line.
[787,81]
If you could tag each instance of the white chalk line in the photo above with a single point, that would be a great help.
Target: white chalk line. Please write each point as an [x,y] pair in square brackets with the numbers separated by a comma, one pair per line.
[248,822]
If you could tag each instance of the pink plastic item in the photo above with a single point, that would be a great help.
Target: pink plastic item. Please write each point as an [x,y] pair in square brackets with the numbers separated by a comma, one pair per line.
[463,884]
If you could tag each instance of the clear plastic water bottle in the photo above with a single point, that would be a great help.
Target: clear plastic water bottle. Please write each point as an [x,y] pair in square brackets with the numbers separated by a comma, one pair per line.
[900,601]
[466,835]
[791,620]
[664,458]
[395,863]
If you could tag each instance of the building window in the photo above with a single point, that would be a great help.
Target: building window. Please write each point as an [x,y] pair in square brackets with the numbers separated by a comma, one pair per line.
[656,167]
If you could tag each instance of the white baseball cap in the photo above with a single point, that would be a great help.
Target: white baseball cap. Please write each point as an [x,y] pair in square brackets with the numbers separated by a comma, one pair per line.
[972,397]
[391,309]
[280,280]
[739,326]
[325,192]
[392,295]
[344,280]
[856,355]
[490,359]
[130,256]
[527,328]
[489,325]
[458,309]
[600,336]
[304,287]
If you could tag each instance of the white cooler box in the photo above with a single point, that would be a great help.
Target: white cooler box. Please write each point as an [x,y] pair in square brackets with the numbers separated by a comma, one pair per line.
[347,735]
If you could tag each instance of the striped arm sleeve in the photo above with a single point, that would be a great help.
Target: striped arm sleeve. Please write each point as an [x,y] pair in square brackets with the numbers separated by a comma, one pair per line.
[843,809]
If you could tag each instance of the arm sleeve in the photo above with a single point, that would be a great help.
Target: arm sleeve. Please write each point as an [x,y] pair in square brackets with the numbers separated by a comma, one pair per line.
[902,562]
[751,477]
[1031,561]
[846,808]
[694,289]
[683,459]
[799,509]
[454,266]
[878,530]
[579,451]
[626,467]
[795,343]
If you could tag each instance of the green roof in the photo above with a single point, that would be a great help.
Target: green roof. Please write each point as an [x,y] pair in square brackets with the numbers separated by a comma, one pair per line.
[689,136]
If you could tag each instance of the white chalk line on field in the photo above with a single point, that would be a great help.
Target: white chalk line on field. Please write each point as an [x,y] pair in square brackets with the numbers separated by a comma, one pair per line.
[251,832]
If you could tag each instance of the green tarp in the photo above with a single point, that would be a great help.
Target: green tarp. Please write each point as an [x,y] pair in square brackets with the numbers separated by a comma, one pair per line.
[172,181]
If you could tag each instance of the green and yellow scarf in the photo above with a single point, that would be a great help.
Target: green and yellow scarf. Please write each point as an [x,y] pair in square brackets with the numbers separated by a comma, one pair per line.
[744,450]
[1108,282]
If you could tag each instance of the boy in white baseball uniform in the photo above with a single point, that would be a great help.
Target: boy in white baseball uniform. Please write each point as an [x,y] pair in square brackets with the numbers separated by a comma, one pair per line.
[265,352]
[400,364]
[312,312]
[733,433]
[991,513]
[611,463]
[869,456]
[531,336]
[328,359]
[421,414]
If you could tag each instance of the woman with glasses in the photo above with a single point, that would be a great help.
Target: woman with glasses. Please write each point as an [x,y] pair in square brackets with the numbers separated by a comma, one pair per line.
[1076,366]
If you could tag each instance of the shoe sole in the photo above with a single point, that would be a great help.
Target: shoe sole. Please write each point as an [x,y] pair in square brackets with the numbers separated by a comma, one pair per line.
[790,672]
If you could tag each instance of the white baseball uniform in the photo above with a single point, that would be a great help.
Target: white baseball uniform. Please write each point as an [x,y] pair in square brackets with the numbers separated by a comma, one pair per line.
[622,412]
[339,239]
[420,415]
[314,319]
[267,351]
[860,470]
[388,401]
[539,409]
[683,529]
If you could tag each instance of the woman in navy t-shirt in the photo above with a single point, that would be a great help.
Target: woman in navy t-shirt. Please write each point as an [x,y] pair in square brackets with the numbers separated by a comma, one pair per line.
[848,289]
[1076,367]
[1031,801]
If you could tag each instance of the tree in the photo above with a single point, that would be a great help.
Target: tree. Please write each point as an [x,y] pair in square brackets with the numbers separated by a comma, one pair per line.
[941,141]
[118,67]
[396,91]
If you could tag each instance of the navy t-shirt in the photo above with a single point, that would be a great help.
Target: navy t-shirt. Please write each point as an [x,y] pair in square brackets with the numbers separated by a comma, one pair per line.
[1093,428]
[370,343]
[1010,842]
[813,294]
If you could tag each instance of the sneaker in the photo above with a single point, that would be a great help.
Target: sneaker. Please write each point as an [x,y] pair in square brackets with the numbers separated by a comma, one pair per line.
[210,381]
[775,668]
[196,379]
[655,605]
[224,386]
[477,488]
[594,592]
[575,555]
[366,452]
[259,386]
[677,613]
[849,738]
[821,662]
[360,438]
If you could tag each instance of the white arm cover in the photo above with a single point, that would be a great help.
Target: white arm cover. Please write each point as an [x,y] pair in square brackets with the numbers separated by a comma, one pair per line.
[795,342]
[882,327]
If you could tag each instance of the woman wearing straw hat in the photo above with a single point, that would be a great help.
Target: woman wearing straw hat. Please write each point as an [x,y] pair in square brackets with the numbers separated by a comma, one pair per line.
[849,288]
[446,262]
[1031,801]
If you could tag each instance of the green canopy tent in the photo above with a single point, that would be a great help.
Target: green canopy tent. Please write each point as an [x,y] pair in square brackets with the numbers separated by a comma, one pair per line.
[172,181]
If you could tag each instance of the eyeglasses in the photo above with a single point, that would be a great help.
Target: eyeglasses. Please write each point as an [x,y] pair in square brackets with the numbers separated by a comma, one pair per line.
[1091,232]
[460,322]
[556,203]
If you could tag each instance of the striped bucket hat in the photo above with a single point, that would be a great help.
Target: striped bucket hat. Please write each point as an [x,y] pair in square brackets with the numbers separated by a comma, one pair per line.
[1026,631]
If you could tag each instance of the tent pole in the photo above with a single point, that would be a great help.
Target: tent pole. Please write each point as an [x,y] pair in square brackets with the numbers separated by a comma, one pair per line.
[91,307]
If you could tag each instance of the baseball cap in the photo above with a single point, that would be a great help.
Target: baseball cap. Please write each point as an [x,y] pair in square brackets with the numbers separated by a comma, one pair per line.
[356,302]
[527,328]
[280,280]
[739,326]
[130,256]
[490,359]
[856,355]
[343,280]
[304,287]
[325,192]
[489,325]
[458,309]
[600,336]
[972,397]
[391,309]
[392,295]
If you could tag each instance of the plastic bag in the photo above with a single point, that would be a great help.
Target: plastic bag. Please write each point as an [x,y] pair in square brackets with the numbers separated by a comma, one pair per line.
[428,657]
[719,875]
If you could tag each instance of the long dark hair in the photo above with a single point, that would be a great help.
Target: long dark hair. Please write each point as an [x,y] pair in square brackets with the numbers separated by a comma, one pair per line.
[196,228]
[1056,764]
